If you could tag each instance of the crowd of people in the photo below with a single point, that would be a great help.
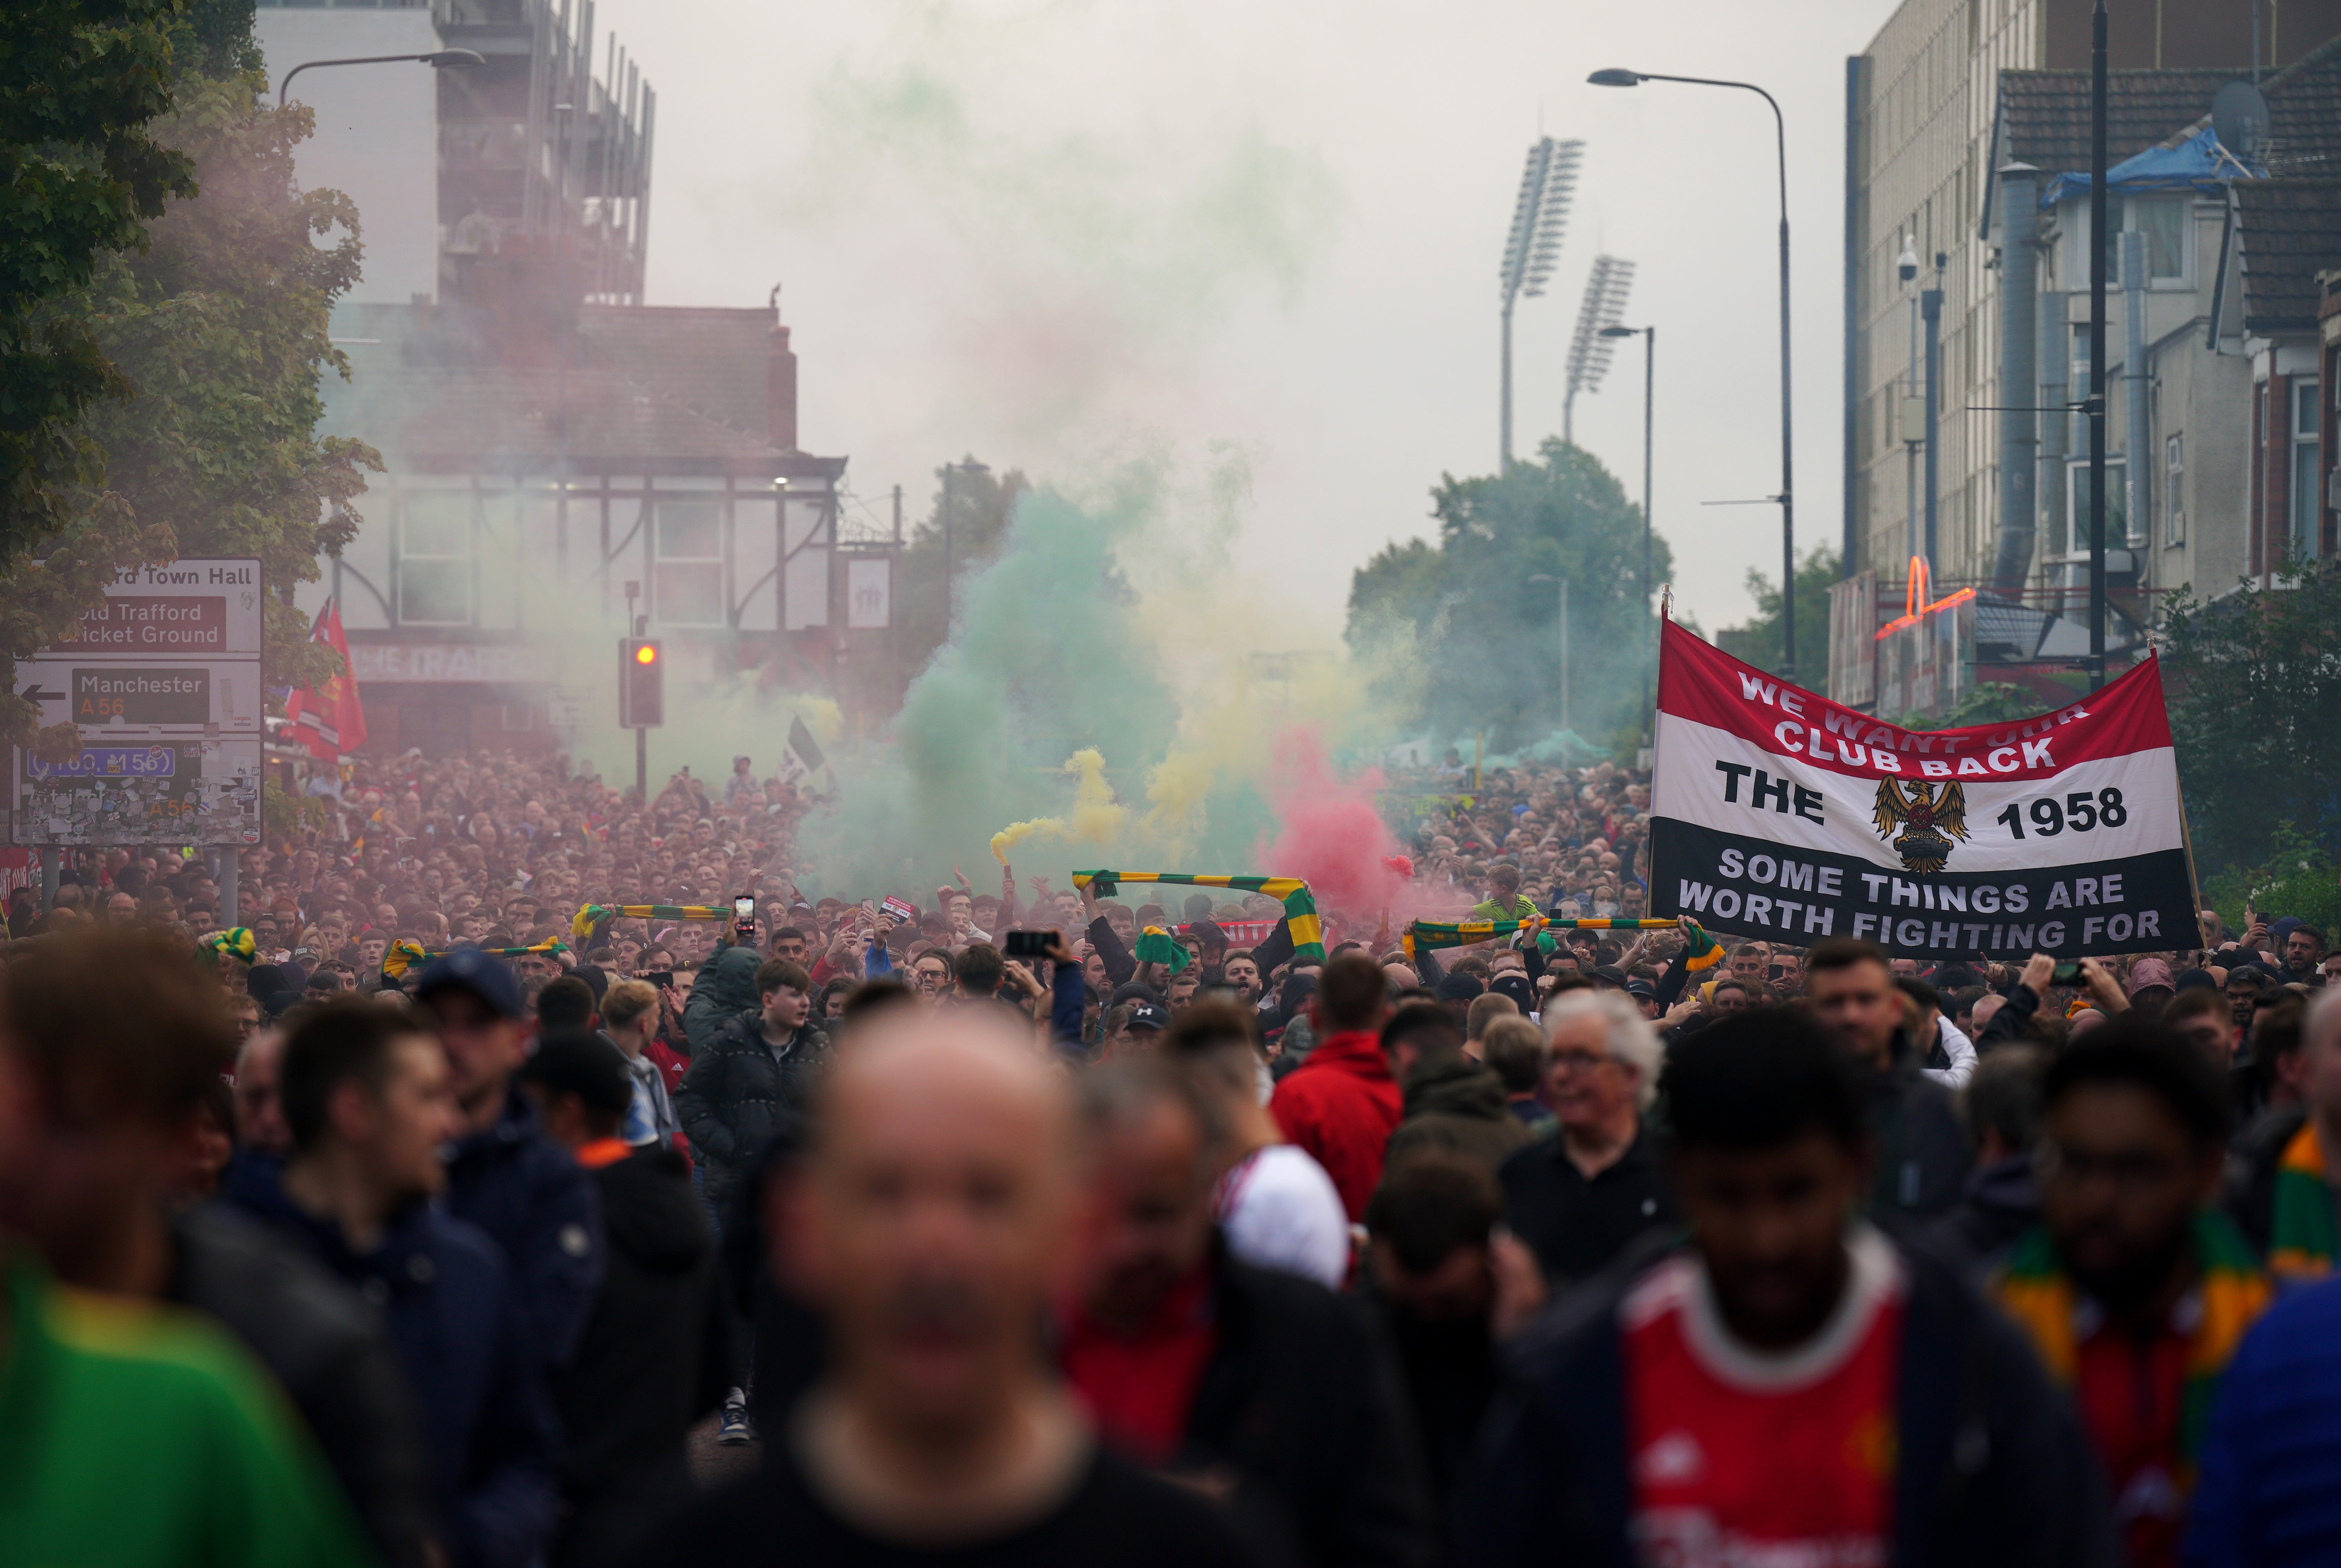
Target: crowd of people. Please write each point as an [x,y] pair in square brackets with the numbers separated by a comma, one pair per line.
[408,1220]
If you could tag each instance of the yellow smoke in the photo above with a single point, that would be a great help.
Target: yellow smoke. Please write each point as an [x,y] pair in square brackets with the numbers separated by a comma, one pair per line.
[1096,816]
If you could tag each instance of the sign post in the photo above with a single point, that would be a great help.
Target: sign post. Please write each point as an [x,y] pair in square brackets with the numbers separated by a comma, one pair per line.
[163,679]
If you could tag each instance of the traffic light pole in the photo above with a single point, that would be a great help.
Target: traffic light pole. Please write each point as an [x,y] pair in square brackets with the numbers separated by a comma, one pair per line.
[642,765]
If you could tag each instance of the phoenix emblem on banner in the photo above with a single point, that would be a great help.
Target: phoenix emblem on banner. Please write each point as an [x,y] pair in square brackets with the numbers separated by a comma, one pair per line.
[1929,817]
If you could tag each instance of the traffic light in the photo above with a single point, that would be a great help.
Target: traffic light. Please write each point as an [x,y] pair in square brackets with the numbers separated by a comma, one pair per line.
[641,684]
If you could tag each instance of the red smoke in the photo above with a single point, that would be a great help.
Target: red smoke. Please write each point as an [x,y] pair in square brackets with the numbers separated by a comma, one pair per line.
[1329,833]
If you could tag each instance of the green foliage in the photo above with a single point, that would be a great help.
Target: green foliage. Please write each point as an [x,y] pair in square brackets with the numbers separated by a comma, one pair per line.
[211,324]
[981,505]
[1482,641]
[284,815]
[2298,877]
[82,83]
[1758,640]
[2254,683]
[1991,702]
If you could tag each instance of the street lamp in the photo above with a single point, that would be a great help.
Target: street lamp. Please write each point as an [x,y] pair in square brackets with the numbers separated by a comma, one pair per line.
[1621,78]
[438,60]
[1563,583]
[1649,336]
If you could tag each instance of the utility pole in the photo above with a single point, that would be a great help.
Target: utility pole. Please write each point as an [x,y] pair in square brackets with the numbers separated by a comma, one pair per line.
[2098,206]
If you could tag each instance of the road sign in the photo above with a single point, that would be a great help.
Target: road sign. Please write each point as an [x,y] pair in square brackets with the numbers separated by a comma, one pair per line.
[163,680]
[195,608]
[177,792]
[201,696]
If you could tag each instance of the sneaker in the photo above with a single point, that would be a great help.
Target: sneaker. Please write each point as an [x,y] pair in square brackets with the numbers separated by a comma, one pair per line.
[736,1429]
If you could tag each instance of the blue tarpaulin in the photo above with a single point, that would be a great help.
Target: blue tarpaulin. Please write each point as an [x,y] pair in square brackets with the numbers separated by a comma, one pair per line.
[2196,162]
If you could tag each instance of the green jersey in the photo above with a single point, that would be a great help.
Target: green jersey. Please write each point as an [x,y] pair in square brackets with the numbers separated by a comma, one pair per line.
[140,1437]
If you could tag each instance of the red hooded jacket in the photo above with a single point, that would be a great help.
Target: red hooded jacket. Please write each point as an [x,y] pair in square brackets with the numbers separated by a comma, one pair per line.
[1340,1106]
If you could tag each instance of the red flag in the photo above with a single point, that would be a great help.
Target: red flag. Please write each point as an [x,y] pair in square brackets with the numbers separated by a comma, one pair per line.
[329,718]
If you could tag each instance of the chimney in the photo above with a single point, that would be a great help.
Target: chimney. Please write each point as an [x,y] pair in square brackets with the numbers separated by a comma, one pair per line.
[781,391]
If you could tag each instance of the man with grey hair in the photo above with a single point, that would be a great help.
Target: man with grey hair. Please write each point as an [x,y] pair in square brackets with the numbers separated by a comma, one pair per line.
[1579,1195]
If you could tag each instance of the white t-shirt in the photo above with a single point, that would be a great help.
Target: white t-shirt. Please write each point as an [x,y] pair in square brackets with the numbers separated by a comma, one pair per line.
[1959,1048]
[1278,1210]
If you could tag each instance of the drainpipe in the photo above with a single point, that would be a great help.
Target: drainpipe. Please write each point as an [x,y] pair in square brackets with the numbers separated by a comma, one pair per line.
[2056,425]
[2133,262]
[1930,309]
[2020,336]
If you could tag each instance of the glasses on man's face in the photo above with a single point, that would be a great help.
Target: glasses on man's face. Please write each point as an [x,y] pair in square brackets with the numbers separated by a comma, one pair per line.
[1577,1061]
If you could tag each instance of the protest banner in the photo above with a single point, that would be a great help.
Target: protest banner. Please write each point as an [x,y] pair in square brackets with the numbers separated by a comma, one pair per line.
[1778,814]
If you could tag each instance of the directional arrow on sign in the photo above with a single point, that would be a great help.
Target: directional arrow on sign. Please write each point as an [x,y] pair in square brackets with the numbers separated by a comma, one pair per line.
[33,693]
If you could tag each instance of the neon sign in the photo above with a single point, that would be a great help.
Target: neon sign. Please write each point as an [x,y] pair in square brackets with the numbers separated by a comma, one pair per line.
[1914,607]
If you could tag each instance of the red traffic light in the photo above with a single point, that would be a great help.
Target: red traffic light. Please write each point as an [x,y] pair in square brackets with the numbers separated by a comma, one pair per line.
[646,653]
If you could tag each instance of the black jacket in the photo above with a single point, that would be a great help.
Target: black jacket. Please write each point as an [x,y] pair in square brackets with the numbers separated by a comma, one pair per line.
[1301,1401]
[2001,1202]
[735,1095]
[1450,1371]
[1993,1468]
[448,1302]
[524,1189]
[327,1346]
[654,1358]
[1576,1226]
[2252,1161]
[1922,1151]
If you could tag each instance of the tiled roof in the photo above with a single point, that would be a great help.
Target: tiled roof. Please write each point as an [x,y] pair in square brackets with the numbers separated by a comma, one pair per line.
[2288,231]
[495,417]
[2045,115]
[714,361]
[2305,115]
[446,388]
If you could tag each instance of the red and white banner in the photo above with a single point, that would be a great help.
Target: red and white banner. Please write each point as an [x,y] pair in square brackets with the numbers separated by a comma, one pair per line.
[1776,813]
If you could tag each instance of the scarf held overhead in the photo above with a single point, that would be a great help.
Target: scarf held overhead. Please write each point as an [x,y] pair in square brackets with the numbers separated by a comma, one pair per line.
[1300,904]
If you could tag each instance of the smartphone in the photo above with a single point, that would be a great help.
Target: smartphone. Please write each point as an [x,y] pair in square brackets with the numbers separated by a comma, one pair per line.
[2065,973]
[1026,945]
[662,978]
[744,915]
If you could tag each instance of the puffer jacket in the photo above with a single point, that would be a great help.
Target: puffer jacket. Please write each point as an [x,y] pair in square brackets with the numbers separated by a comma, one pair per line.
[738,1094]
[1456,1105]
[726,985]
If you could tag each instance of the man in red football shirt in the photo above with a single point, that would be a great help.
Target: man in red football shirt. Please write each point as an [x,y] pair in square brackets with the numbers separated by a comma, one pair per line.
[1792,1385]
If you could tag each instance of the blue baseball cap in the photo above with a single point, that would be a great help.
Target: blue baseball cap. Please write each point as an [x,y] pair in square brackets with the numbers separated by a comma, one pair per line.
[467,969]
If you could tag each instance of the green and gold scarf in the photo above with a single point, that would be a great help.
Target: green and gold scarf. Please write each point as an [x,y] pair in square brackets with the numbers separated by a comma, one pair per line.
[2037,1293]
[1300,920]
[2303,1235]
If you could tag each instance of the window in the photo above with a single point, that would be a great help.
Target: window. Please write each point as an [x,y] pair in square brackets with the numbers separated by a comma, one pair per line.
[2174,472]
[2077,507]
[435,558]
[690,583]
[2305,491]
[2166,223]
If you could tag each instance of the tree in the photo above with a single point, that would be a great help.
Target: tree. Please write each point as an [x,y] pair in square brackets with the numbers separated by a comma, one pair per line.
[982,502]
[1758,641]
[215,328]
[80,81]
[2254,681]
[1483,636]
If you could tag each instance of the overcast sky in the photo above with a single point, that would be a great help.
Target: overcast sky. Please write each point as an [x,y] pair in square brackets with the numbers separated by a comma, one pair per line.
[1050,232]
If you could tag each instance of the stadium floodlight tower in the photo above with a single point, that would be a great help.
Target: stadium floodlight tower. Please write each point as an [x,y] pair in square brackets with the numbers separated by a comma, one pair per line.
[1539,218]
[1604,306]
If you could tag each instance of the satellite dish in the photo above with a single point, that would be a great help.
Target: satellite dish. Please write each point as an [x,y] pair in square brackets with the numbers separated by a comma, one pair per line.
[2240,118]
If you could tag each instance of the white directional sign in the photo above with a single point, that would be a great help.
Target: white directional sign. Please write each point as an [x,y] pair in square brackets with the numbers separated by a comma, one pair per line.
[163,680]
[187,609]
[151,697]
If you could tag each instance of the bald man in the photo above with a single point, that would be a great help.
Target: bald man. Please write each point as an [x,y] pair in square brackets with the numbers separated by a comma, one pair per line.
[927,1224]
